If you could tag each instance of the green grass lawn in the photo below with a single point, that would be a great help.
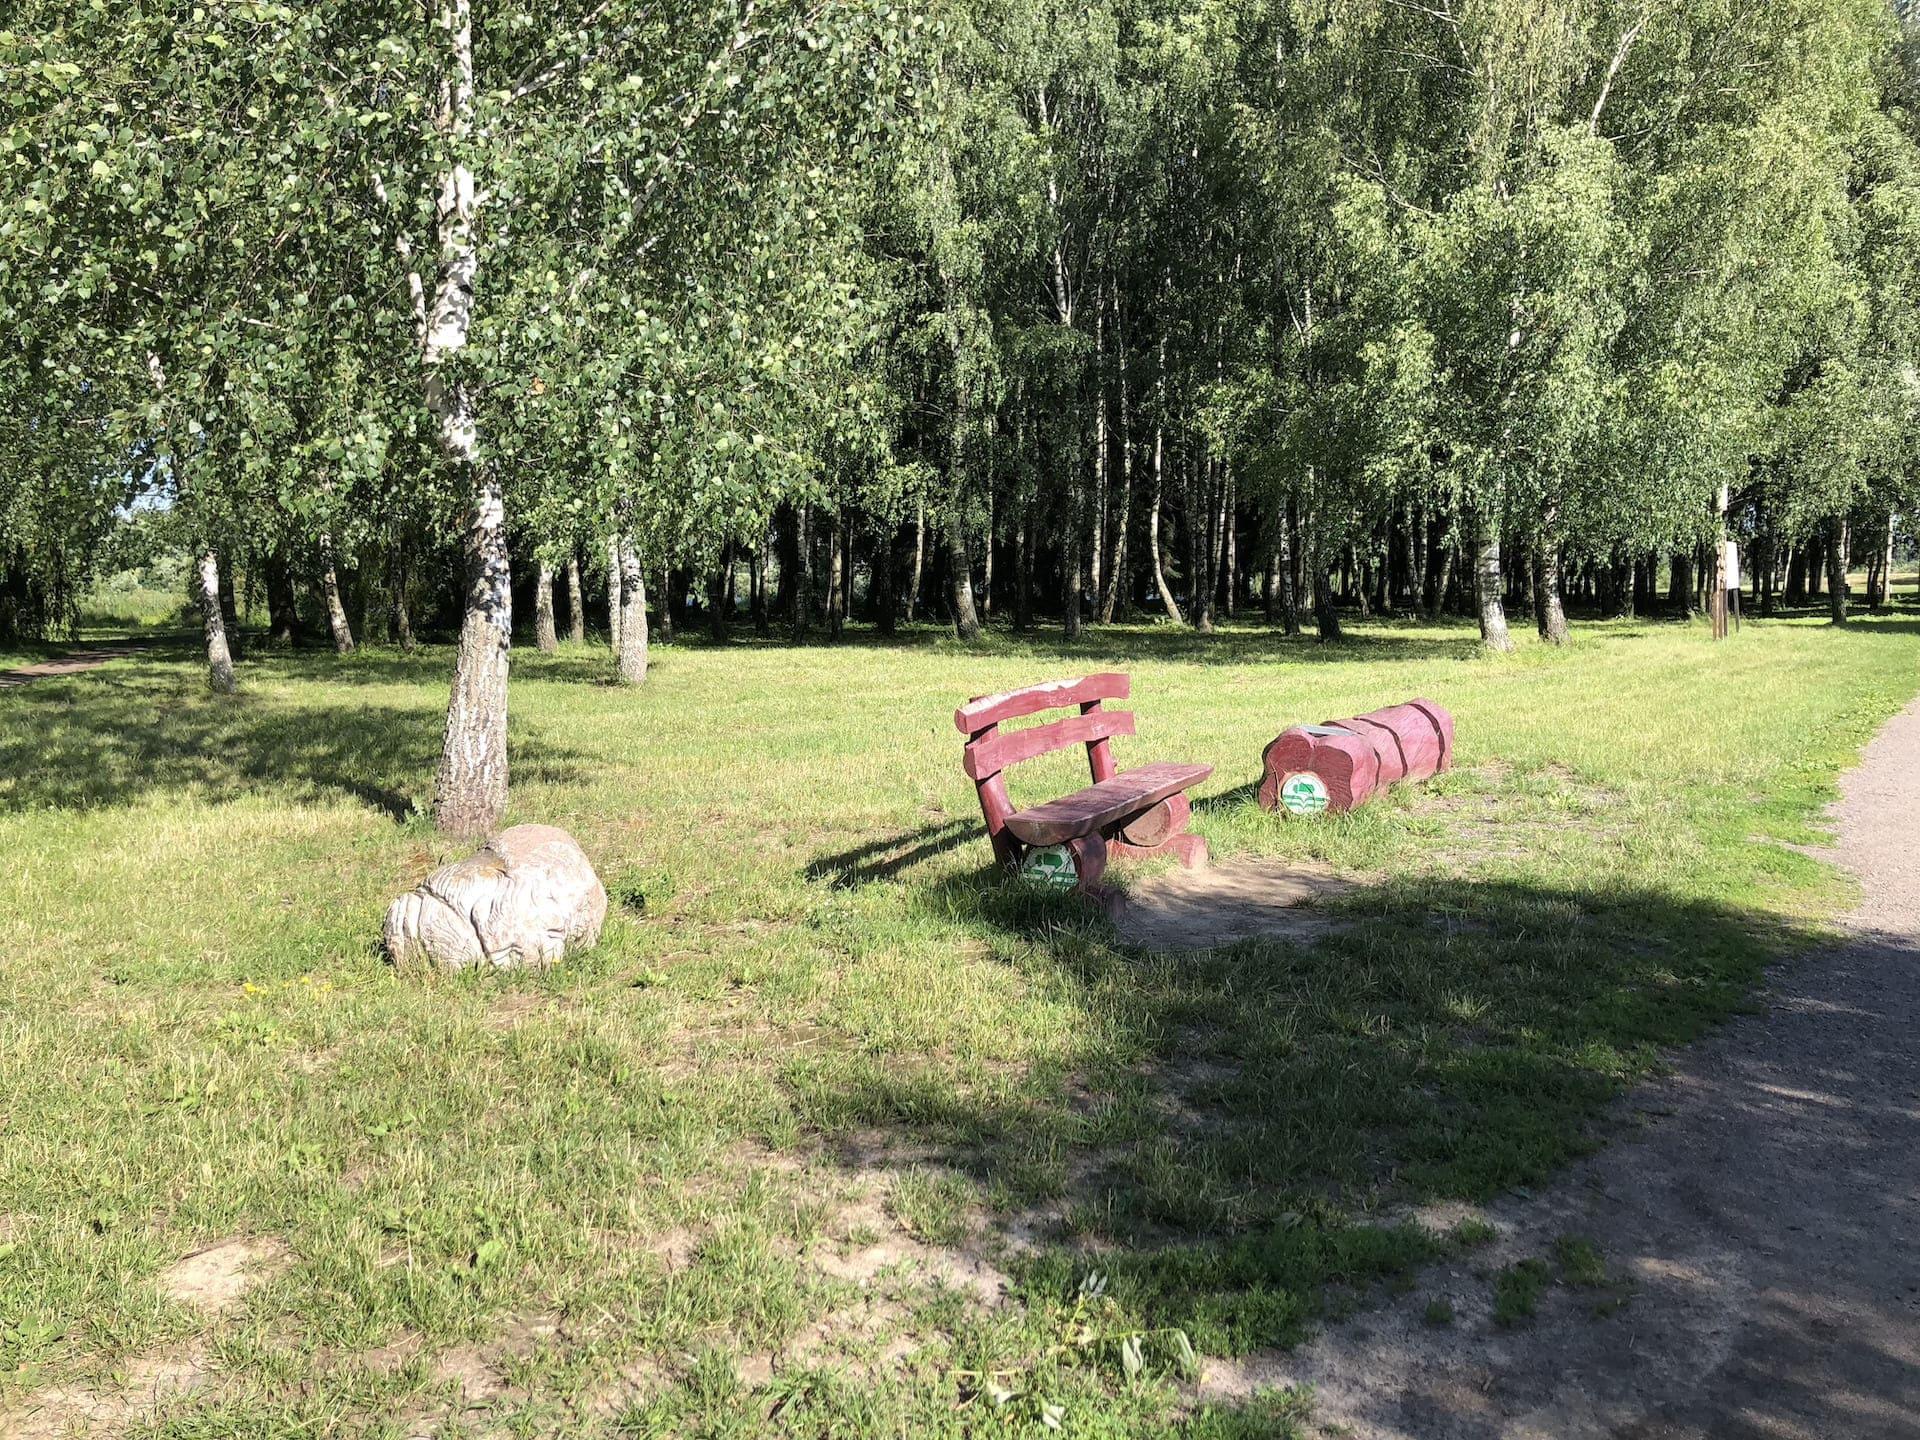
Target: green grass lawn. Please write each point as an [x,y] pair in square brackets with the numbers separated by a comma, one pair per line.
[758,1163]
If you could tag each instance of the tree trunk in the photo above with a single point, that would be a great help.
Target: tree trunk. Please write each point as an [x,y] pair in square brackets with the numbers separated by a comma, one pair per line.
[330,588]
[544,633]
[919,558]
[219,658]
[1552,616]
[1417,557]
[1288,523]
[757,588]
[470,791]
[669,602]
[1680,583]
[720,595]
[1270,584]
[1023,567]
[632,582]
[283,610]
[886,601]
[1115,600]
[986,557]
[230,608]
[1230,560]
[800,585]
[1488,580]
[1070,564]
[1442,580]
[1201,536]
[1326,618]
[966,621]
[399,582]
[1837,570]
[613,591]
[1880,589]
[576,609]
[836,557]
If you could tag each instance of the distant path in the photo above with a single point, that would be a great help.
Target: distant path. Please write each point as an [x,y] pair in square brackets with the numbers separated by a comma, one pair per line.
[74,663]
[1768,1216]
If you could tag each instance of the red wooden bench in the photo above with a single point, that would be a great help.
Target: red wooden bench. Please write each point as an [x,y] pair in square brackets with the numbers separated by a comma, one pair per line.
[1123,813]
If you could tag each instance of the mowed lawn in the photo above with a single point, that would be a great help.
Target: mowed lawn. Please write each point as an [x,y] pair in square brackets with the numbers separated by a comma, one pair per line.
[837,1132]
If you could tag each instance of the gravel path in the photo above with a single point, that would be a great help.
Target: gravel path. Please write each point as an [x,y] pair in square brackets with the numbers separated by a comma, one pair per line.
[1766,1219]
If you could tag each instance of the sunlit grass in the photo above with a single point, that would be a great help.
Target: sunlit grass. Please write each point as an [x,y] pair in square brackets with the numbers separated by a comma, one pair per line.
[819,1022]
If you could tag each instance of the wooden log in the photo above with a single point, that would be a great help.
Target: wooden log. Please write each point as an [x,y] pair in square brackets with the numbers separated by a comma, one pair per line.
[1414,741]
[1310,769]
[1338,765]
[1158,824]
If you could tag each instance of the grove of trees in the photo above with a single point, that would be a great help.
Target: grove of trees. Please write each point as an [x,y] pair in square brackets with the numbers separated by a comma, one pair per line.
[824,309]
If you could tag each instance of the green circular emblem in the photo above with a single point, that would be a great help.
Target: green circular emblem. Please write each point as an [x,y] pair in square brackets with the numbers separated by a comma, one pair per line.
[1303,793]
[1050,868]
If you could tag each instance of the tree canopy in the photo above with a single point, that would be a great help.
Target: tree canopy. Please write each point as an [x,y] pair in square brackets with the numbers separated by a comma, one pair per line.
[998,307]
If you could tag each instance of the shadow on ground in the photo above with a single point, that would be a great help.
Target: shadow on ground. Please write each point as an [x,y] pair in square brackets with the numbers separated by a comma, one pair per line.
[1243,1134]
[147,724]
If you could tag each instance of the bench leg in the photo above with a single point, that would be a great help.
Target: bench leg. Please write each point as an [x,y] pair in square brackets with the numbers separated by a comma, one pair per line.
[1089,861]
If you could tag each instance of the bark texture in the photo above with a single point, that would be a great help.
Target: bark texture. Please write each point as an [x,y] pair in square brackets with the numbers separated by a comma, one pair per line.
[1552,616]
[632,610]
[1837,570]
[966,620]
[544,633]
[219,657]
[576,606]
[336,610]
[1493,611]
[470,791]
[613,591]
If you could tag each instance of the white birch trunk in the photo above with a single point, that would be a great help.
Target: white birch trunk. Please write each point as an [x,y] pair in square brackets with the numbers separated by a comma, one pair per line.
[613,592]
[219,657]
[576,607]
[470,792]
[336,611]
[544,634]
[632,644]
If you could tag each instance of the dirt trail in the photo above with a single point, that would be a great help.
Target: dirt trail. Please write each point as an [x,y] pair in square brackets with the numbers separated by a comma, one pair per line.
[73,663]
[1767,1221]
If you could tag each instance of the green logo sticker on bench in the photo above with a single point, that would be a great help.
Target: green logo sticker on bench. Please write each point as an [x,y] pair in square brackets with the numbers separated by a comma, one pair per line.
[1303,793]
[1050,868]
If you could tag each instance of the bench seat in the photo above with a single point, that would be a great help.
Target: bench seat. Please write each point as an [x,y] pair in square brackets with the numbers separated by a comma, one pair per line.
[1094,809]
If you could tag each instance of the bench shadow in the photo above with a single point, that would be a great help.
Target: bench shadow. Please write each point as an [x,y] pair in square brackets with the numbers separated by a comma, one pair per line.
[886,859]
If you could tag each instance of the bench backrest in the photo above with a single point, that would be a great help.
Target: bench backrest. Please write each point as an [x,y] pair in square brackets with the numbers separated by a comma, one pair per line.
[989,752]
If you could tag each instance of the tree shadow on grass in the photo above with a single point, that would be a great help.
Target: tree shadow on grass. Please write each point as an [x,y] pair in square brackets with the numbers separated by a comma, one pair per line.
[1233,643]
[1237,1138]
[142,727]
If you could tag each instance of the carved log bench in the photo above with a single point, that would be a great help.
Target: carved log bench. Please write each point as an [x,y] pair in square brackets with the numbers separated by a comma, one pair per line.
[1124,813]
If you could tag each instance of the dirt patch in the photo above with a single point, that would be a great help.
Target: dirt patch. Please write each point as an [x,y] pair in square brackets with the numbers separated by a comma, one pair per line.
[1229,902]
[217,1279]
[1754,1276]
[146,1384]
[78,662]
[475,1372]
